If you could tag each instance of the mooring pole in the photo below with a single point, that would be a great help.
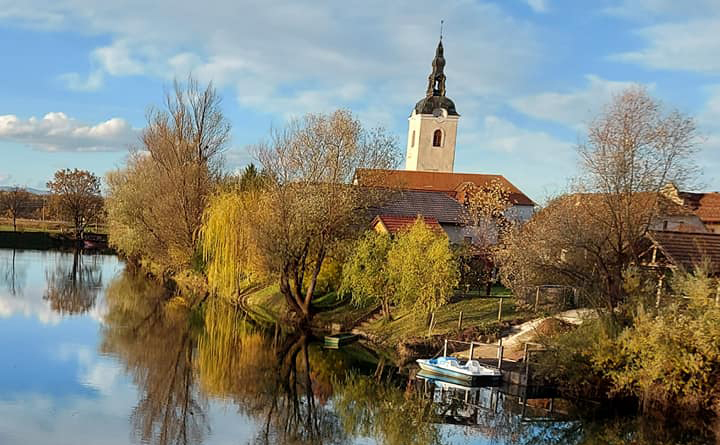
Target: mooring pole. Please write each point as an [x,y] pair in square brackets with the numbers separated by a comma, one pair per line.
[472,345]
[501,350]
[460,320]
[500,309]
[445,349]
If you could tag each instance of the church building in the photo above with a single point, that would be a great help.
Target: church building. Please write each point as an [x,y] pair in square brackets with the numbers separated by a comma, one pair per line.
[430,186]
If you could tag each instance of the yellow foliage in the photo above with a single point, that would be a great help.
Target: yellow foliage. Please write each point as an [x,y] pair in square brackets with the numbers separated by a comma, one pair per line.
[227,242]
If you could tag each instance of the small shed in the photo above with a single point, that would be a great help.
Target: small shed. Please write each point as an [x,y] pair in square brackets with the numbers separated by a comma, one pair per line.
[682,250]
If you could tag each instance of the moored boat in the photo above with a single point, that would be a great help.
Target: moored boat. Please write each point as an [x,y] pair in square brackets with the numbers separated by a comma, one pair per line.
[469,371]
[338,340]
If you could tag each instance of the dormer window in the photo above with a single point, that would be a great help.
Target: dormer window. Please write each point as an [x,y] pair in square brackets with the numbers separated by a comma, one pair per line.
[437,138]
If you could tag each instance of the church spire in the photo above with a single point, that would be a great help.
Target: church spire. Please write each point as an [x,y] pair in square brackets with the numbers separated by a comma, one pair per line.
[436,80]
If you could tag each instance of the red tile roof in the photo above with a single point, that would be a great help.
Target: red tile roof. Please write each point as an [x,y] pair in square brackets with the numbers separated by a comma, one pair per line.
[435,181]
[394,223]
[705,205]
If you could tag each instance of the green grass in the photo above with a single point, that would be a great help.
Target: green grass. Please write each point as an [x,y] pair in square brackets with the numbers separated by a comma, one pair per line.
[408,323]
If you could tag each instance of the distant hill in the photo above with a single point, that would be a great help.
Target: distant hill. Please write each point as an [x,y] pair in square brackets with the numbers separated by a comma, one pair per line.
[29,189]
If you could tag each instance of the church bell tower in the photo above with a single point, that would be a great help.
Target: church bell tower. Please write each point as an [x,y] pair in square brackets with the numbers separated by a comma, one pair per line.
[432,125]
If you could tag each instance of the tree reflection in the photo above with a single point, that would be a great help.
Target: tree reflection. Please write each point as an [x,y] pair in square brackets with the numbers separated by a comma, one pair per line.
[13,277]
[155,338]
[382,410]
[73,288]
[269,379]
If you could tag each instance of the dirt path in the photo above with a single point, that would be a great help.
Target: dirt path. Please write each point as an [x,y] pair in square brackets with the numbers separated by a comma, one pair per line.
[515,341]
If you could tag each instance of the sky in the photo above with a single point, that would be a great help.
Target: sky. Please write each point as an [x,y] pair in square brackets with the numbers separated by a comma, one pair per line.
[77,77]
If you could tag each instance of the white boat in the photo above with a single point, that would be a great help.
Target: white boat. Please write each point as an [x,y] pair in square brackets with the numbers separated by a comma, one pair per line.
[451,367]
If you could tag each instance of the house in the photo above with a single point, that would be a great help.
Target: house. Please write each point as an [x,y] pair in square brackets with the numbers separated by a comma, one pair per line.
[433,206]
[706,206]
[682,250]
[428,186]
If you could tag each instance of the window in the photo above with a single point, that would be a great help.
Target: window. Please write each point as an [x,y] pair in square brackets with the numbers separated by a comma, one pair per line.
[437,138]
[412,140]
[665,225]
[468,240]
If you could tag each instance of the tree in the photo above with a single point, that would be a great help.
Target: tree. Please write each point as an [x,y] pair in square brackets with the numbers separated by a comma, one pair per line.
[155,204]
[633,149]
[15,202]
[365,273]
[310,204]
[487,214]
[76,197]
[422,267]
[588,239]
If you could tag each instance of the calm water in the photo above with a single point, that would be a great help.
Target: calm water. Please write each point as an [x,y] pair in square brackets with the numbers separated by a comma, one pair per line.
[90,354]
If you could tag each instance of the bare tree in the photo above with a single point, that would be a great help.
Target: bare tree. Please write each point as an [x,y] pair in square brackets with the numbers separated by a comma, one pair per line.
[155,204]
[76,197]
[589,238]
[310,203]
[15,202]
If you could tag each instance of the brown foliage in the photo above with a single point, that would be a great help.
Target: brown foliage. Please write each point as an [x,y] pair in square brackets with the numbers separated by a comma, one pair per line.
[310,204]
[15,202]
[587,239]
[155,204]
[76,197]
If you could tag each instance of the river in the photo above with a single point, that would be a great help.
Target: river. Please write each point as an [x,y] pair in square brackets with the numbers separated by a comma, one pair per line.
[90,354]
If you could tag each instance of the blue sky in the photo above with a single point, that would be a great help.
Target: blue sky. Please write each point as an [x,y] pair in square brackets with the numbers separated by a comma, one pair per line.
[526,75]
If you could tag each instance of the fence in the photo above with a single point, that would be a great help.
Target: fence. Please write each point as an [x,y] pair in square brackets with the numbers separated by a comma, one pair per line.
[549,297]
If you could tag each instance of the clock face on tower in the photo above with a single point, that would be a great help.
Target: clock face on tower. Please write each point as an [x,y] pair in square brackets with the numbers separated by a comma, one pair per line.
[439,114]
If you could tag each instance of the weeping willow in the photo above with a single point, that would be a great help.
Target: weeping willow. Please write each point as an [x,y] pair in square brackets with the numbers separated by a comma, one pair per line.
[227,243]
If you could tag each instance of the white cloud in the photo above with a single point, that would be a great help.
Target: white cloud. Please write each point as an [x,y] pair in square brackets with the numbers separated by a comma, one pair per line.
[644,9]
[537,5]
[689,45]
[304,57]
[58,132]
[537,162]
[76,82]
[573,108]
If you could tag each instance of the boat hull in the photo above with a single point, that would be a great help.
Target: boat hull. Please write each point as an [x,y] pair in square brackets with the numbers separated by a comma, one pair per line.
[432,370]
[339,340]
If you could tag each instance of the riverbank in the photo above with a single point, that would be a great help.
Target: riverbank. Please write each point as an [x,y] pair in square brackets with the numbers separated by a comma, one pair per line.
[43,240]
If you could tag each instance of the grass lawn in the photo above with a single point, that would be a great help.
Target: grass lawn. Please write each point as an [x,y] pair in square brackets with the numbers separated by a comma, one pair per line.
[408,323]
[49,226]
[271,303]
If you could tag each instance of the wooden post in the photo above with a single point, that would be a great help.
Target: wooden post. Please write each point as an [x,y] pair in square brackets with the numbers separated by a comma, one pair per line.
[445,349]
[501,350]
[432,322]
[527,367]
[472,346]
[537,297]
[460,320]
[500,309]
[659,290]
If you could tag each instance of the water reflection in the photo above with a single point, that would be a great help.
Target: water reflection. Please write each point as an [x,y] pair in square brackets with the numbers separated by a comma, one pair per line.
[156,343]
[13,276]
[182,359]
[73,287]
[173,372]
